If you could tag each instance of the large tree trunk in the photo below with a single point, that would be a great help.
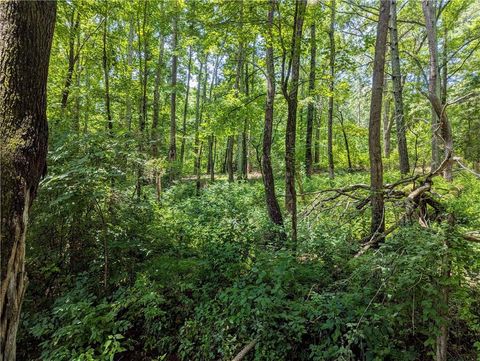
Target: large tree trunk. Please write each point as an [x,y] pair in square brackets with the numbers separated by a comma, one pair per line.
[185,108]
[291,94]
[172,153]
[434,91]
[311,107]
[397,93]
[26,30]
[331,86]
[273,208]
[374,144]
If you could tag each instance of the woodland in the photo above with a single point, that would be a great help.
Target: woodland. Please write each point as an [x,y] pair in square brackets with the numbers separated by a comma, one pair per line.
[240,180]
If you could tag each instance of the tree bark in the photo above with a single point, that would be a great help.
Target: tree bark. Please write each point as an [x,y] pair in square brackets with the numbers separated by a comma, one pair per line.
[397,93]
[331,86]
[317,119]
[311,107]
[273,208]
[172,153]
[72,58]
[185,108]
[374,144]
[26,30]
[387,124]
[434,91]
[131,34]
[291,94]
[106,71]
[156,97]
[345,139]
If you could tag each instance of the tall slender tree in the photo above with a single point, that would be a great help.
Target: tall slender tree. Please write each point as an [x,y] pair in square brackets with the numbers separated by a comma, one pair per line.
[273,207]
[290,91]
[172,152]
[26,31]
[331,89]
[374,135]
[398,93]
[311,106]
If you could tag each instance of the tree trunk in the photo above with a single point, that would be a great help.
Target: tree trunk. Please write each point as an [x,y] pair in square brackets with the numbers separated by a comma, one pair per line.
[172,153]
[331,86]
[345,139]
[72,58]
[291,94]
[26,32]
[397,93]
[311,108]
[106,76]
[197,118]
[185,108]
[156,97]
[434,91]
[131,34]
[229,157]
[273,208]
[317,121]
[387,124]
[374,144]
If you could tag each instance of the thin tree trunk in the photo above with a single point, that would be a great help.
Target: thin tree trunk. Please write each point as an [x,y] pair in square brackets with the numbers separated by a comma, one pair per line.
[106,76]
[387,124]
[331,86]
[291,94]
[185,108]
[397,93]
[345,139]
[198,118]
[156,97]
[229,157]
[273,208]
[172,153]
[434,91]
[72,58]
[26,33]
[374,144]
[131,35]
[317,121]
[311,108]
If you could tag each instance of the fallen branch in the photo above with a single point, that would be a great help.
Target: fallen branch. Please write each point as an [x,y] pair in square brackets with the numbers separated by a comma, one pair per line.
[245,350]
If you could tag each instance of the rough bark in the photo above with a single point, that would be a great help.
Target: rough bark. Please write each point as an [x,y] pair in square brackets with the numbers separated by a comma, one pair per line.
[273,208]
[311,108]
[26,30]
[374,144]
[387,126]
[331,88]
[397,93]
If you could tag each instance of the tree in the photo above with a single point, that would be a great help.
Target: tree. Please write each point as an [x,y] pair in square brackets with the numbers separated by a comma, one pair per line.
[290,92]
[331,89]
[185,108]
[374,135]
[172,152]
[398,93]
[434,92]
[26,30]
[273,208]
[310,109]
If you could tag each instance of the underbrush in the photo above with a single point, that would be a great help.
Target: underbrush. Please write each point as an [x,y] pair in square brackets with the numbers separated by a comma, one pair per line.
[198,277]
